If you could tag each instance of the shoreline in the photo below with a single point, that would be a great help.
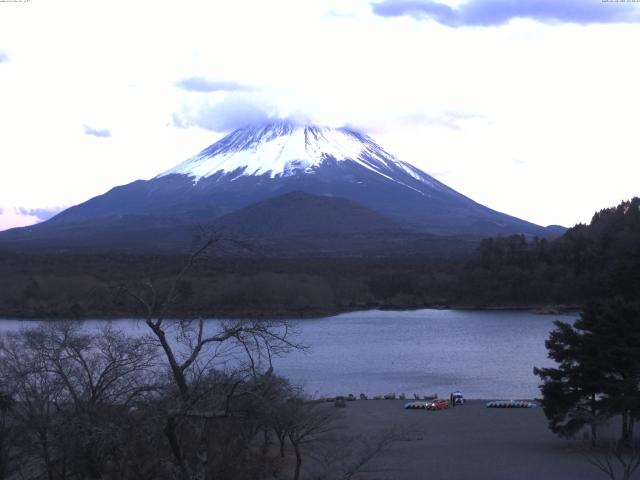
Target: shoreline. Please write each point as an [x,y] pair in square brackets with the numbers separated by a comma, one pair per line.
[329,399]
[536,309]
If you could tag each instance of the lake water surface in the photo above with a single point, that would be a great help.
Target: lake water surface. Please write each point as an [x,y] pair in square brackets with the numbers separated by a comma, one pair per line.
[485,354]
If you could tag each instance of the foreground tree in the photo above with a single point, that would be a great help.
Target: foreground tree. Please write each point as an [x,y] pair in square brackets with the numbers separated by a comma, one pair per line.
[598,372]
[615,459]
[73,393]
[37,392]
[210,364]
[572,392]
[308,422]
[614,328]
[9,436]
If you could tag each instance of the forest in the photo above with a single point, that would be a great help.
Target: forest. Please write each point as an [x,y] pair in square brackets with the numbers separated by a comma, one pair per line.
[587,262]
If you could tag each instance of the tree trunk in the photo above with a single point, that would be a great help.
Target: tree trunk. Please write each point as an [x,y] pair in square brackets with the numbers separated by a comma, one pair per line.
[281,439]
[265,441]
[170,432]
[594,427]
[202,452]
[296,475]
[178,374]
[626,441]
[3,463]
[46,457]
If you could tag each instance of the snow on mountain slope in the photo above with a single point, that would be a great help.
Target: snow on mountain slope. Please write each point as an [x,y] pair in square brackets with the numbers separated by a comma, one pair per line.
[282,148]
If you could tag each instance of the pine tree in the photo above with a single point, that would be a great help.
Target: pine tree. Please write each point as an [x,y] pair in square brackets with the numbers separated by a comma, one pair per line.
[614,327]
[598,372]
[572,392]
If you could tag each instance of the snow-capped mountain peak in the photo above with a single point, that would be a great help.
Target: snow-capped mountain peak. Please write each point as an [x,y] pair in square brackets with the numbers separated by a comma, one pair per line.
[279,181]
[284,148]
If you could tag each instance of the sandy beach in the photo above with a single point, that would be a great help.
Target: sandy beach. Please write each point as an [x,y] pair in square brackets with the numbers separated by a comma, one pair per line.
[469,442]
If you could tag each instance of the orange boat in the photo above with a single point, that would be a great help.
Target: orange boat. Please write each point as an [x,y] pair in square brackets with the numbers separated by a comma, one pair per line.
[441,404]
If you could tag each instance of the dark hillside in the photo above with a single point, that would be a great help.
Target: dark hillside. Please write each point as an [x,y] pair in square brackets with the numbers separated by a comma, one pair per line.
[588,262]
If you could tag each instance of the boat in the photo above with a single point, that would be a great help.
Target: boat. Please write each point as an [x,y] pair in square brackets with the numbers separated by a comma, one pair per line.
[441,404]
[511,404]
[416,405]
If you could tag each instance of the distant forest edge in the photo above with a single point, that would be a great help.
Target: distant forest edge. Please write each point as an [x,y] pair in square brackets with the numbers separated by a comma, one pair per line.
[587,262]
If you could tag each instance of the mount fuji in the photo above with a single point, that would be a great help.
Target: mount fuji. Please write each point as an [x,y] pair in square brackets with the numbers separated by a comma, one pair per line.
[280,182]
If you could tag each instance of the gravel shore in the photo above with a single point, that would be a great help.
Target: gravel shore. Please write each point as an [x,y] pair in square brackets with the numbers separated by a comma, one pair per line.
[466,442]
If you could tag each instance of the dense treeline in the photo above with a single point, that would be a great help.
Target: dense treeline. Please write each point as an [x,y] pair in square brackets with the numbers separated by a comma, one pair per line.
[88,285]
[587,262]
[584,263]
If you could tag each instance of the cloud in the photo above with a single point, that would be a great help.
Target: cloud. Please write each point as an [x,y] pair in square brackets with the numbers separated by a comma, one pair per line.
[3,57]
[497,12]
[41,214]
[201,84]
[452,120]
[14,217]
[446,119]
[96,132]
[231,113]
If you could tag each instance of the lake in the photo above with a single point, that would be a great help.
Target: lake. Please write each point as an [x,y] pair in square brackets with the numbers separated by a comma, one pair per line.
[485,354]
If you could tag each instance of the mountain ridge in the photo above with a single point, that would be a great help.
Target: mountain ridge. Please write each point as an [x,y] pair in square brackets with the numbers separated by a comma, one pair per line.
[256,163]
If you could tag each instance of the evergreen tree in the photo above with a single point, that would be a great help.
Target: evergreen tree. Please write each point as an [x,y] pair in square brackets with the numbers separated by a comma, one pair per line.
[598,372]
[572,392]
[614,328]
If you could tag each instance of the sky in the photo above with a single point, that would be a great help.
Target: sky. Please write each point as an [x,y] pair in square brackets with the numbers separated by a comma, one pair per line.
[529,107]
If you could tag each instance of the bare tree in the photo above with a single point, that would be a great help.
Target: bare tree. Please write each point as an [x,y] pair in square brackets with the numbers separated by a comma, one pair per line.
[194,350]
[36,392]
[9,435]
[106,367]
[73,390]
[618,459]
[350,455]
[308,423]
